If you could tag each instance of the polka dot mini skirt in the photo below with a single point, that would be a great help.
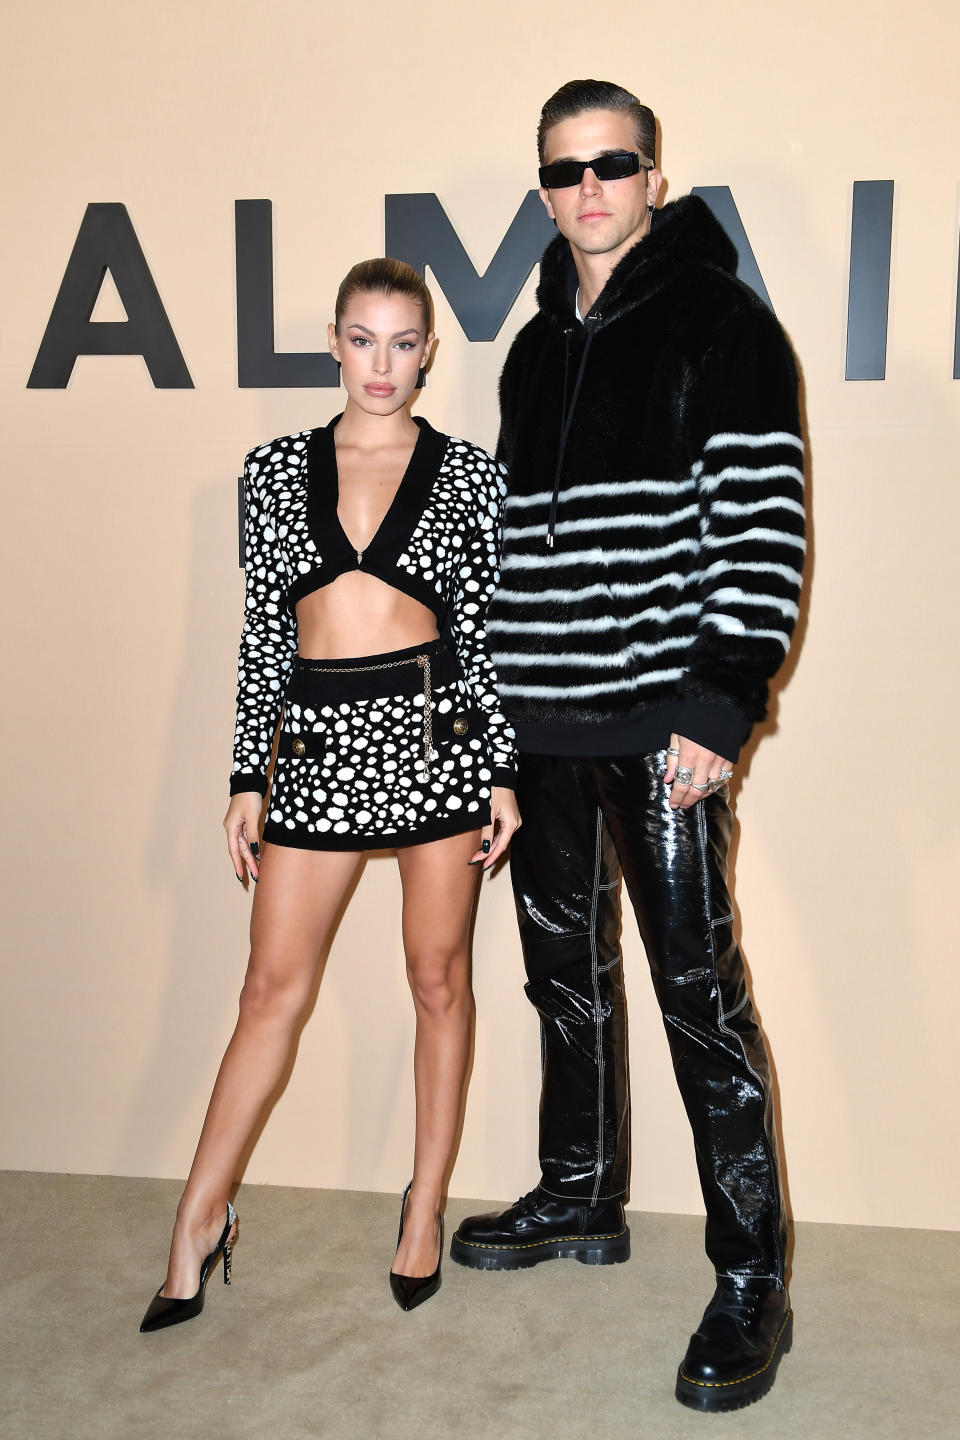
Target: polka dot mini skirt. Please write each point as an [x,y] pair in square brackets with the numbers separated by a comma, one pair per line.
[378,752]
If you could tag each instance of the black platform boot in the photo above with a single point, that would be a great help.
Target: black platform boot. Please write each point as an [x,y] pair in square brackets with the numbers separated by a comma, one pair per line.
[732,1358]
[540,1227]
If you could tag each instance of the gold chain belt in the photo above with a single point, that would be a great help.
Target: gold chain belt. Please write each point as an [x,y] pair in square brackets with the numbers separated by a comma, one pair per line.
[424,662]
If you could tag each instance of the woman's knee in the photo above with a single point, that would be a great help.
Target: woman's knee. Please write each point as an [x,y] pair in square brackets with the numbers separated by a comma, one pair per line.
[439,981]
[268,996]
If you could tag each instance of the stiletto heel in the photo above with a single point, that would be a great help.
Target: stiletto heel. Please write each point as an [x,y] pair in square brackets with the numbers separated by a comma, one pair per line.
[165,1310]
[409,1291]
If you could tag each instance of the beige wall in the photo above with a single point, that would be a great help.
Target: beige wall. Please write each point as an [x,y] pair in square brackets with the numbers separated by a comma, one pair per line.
[124,935]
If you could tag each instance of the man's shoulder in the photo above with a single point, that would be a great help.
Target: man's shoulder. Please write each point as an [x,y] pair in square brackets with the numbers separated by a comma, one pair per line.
[713,309]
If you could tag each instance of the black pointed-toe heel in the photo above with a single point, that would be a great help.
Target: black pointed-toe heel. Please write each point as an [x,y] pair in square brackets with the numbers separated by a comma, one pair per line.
[409,1291]
[165,1310]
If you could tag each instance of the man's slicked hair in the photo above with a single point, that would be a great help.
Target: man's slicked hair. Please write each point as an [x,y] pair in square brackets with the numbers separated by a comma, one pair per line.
[579,95]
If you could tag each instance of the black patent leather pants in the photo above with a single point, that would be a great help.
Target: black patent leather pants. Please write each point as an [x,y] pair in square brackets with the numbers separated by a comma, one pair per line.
[584,821]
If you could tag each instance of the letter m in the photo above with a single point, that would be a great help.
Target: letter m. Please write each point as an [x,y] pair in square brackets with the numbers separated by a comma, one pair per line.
[418,230]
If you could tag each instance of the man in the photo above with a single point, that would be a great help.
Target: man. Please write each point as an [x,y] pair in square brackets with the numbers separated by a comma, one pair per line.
[651,570]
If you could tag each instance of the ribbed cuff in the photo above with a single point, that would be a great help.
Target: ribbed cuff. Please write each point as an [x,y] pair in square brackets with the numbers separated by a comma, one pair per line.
[505,776]
[721,728]
[243,782]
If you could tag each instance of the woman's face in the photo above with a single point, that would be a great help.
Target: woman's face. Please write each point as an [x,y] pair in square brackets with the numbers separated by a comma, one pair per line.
[381,344]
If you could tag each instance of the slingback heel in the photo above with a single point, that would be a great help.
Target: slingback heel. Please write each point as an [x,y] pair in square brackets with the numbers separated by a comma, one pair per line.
[165,1310]
[409,1291]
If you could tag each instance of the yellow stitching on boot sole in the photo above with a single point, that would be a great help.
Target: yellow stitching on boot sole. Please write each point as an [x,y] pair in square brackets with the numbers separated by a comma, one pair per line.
[722,1384]
[533,1244]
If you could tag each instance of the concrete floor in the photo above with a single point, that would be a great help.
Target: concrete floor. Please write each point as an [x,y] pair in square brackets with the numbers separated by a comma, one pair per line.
[308,1342]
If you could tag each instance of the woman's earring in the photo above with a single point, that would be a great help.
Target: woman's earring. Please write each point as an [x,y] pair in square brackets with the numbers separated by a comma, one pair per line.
[422,377]
[339,373]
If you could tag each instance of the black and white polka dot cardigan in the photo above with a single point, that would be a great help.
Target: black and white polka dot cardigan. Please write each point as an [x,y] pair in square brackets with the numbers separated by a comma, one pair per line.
[439,542]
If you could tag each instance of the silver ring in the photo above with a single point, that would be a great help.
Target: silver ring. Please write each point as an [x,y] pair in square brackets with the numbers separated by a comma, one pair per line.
[673,750]
[707,786]
[684,775]
[725,775]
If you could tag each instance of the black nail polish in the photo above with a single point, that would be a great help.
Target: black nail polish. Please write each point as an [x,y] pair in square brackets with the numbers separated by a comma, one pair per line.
[254,848]
[239,877]
[485,847]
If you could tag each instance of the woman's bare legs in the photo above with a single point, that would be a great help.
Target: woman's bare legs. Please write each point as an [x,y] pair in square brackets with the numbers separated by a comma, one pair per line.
[439,889]
[294,908]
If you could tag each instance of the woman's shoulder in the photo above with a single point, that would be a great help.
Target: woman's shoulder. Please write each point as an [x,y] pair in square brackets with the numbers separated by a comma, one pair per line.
[476,466]
[276,458]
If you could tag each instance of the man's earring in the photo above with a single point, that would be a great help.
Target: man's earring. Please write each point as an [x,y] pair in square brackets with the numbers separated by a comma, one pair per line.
[650,210]
[421,377]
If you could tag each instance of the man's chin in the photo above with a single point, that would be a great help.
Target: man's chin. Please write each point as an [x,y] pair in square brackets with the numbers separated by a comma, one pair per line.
[601,239]
[601,244]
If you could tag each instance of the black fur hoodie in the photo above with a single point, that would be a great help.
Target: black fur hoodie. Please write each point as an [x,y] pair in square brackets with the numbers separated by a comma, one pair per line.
[653,539]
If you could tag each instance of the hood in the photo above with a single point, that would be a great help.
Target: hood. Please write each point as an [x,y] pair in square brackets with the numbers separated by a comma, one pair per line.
[684,232]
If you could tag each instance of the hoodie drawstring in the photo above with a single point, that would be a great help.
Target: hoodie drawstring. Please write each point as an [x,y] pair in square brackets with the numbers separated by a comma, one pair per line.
[567,422]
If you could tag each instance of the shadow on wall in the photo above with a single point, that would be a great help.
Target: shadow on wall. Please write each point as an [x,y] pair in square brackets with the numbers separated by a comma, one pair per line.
[837,920]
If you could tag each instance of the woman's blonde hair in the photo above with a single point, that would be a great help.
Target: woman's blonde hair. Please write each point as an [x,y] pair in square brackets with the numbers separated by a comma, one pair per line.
[388,277]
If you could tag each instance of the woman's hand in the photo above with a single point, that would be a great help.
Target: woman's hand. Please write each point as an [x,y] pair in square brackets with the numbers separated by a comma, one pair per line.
[242,824]
[504,820]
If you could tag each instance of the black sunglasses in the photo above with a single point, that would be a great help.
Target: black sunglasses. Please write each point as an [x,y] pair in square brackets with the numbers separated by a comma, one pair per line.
[615,165]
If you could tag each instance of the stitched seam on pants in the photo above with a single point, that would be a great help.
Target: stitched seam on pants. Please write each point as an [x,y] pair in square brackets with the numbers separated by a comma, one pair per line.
[721,1019]
[724,920]
[594,976]
[729,1014]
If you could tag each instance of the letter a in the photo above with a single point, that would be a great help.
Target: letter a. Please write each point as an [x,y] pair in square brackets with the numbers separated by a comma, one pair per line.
[107,241]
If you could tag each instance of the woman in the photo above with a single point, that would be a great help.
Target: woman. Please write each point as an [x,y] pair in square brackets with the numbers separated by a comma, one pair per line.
[365,540]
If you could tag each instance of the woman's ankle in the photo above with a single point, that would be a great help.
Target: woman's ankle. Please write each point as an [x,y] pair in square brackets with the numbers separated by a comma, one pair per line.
[424,1198]
[200,1216]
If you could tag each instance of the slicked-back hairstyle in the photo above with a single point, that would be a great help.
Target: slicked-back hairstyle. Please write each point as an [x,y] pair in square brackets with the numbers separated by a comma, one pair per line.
[579,95]
[386,277]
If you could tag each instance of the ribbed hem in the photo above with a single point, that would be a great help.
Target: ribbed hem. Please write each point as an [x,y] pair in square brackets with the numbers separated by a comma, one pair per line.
[505,776]
[300,839]
[721,728]
[243,782]
[640,733]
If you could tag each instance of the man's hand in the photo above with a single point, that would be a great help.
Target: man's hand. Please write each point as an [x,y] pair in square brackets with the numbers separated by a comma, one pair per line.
[693,771]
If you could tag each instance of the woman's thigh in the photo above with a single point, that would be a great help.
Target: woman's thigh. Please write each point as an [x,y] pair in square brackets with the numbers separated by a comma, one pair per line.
[298,899]
[439,891]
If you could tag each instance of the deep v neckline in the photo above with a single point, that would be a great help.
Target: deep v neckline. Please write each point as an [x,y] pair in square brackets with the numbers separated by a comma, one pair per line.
[402,514]
[361,551]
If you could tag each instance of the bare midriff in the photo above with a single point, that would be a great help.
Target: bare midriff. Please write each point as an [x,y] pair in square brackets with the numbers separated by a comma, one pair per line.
[357,614]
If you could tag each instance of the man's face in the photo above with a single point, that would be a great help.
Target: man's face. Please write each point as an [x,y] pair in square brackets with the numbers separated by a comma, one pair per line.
[598,217]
